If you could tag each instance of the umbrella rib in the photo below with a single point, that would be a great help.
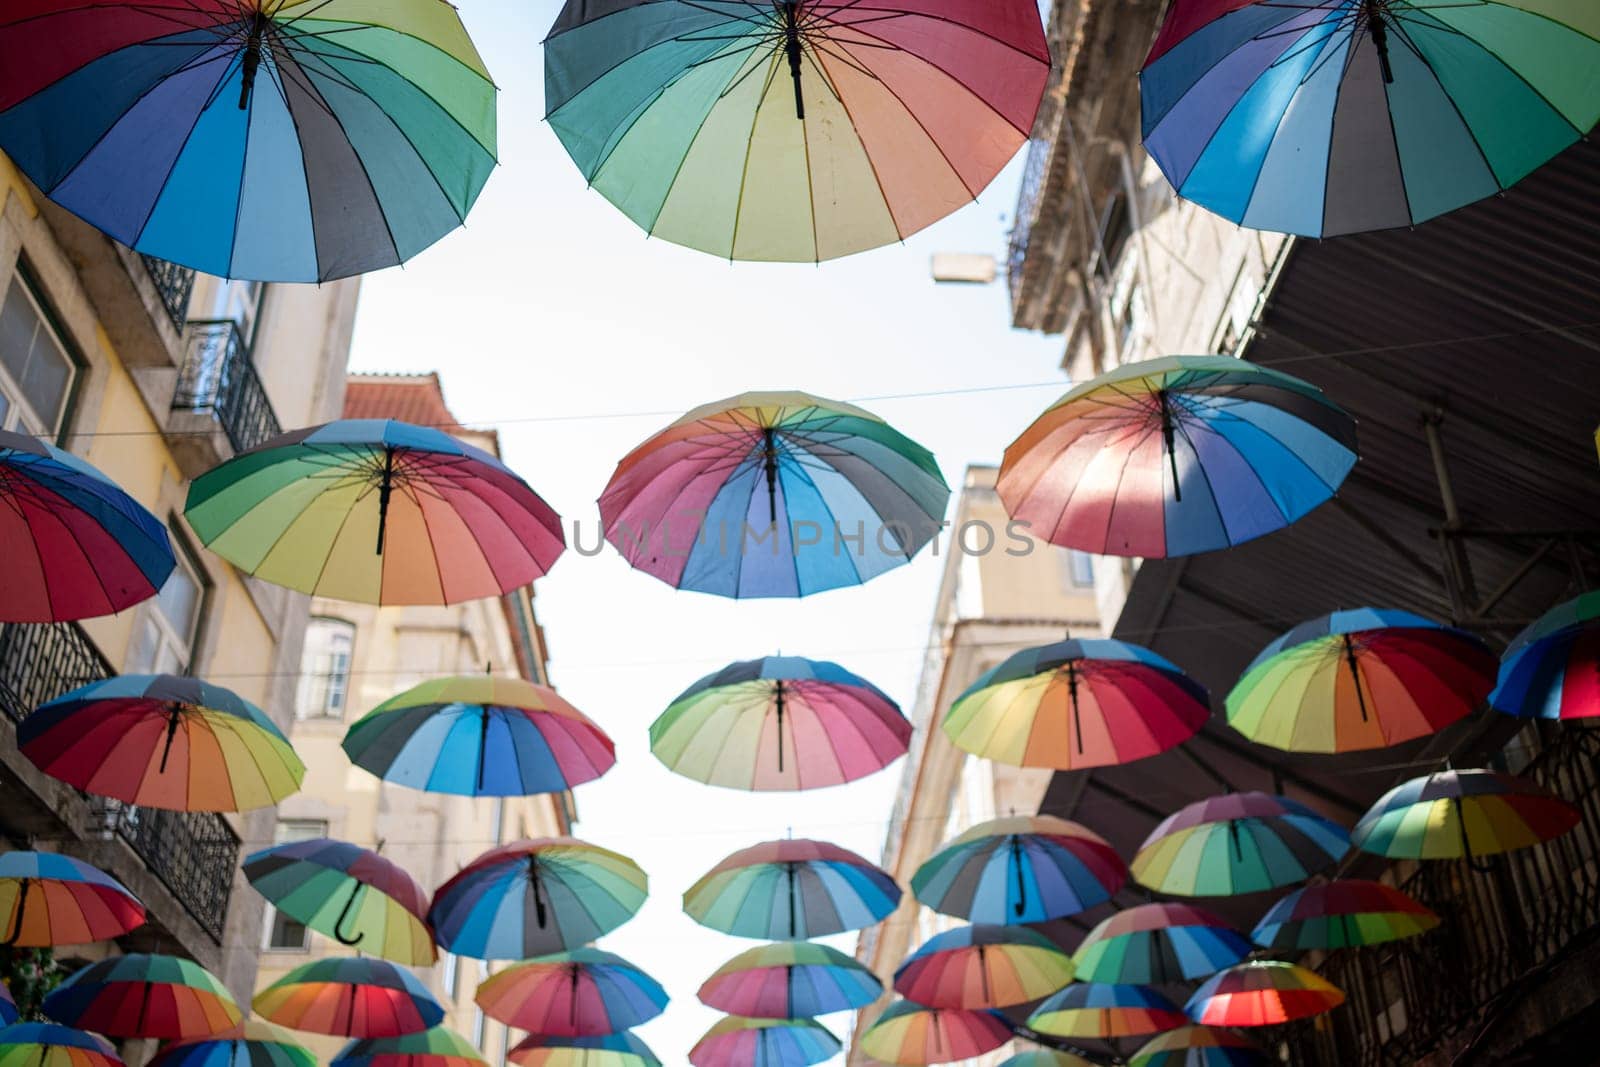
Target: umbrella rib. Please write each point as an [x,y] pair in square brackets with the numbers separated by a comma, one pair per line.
[744,171]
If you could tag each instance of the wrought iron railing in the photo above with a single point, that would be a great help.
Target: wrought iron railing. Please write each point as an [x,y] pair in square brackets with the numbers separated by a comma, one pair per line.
[174,284]
[39,662]
[219,378]
[1033,172]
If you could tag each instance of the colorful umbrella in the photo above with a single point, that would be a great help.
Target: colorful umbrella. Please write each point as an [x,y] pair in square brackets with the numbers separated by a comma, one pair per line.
[252,1043]
[532,898]
[1158,944]
[350,997]
[1456,814]
[983,967]
[1076,704]
[610,1050]
[75,545]
[480,735]
[790,980]
[8,1007]
[911,1033]
[1552,669]
[780,723]
[436,1047]
[349,893]
[48,899]
[1042,1057]
[582,993]
[764,1043]
[1198,1046]
[141,995]
[1020,869]
[1360,679]
[1261,993]
[1090,1009]
[376,511]
[791,890]
[798,131]
[294,142]
[1340,117]
[161,741]
[1170,457]
[48,1045]
[1342,914]
[772,494]
[1237,843]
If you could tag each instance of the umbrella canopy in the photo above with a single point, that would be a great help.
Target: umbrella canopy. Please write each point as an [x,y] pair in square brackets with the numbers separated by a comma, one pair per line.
[376,511]
[1342,914]
[1169,457]
[791,890]
[439,1046]
[983,967]
[790,980]
[799,131]
[1360,679]
[780,723]
[532,898]
[1330,118]
[1020,869]
[480,735]
[764,1043]
[775,494]
[290,142]
[1462,813]
[350,893]
[1198,1046]
[1043,1057]
[609,1050]
[1086,1009]
[1158,944]
[582,993]
[48,899]
[8,1007]
[76,546]
[1551,670]
[49,1045]
[910,1033]
[141,995]
[1237,843]
[1076,704]
[1261,993]
[350,996]
[252,1043]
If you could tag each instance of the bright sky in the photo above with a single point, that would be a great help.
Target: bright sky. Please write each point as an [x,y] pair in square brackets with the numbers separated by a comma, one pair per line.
[552,306]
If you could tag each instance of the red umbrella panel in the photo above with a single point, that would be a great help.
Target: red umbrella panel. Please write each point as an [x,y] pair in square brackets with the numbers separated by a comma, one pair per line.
[350,997]
[49,899]
[1262,993]
[139,995]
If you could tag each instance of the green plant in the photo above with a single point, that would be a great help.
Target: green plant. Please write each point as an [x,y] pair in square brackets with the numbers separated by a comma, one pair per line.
[30,973]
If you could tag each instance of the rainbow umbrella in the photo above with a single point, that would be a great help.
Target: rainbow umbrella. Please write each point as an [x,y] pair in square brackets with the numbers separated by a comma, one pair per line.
[1092,1009]
[1360,679]
[798,131]
[772,494]
[295,141]
[609,1050]
[1261,993]
[49,1045]
[1342,914]
[791,890]
[8,1007]
[436,1047]
[1044,1057]
[480,735]
[911,1033]
[764,1043]
[1075,704]
[349,996]
[790,980]
[1338,117]
[1170,457]
[983,967]
[376,511]
[1158,944]
[76,545]
[71,902]
[582,993]
[735,727]
[1237,843]
[350,893]
[140,995]
[532,898]
[161,741]
[1198,1046]
[1020,869]
[1551,670]
[252,1043]
[1455,814]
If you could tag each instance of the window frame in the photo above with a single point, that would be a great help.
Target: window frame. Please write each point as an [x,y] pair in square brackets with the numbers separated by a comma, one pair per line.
[301,705]
[150,613]
[23,275]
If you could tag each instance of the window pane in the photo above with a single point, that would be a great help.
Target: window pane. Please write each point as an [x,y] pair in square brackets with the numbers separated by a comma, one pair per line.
[286,933]
[144,648]
[179,601]
[33,356]
[18,323]
[325,669]
[299,830]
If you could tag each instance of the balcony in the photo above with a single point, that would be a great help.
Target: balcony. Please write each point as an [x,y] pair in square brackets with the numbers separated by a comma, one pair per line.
[173,286]
[1033,172]
[218,393]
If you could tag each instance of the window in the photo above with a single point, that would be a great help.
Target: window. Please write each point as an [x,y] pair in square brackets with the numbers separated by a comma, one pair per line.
[1116,226]
[241,302]
[283,933]
[325,669]
[164,635]
[1078,569]
[451,964]
[477,1028]
[35,369]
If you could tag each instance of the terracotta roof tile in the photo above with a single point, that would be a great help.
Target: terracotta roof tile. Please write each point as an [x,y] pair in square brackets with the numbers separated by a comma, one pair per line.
[413,398]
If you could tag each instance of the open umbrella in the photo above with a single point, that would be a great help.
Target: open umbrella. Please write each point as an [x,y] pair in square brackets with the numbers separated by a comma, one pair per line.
[8,1007]
[790,980]
[349,996]
[794,131]
[912,1034]
[439,1046]
[1044,1057]
[48,899]
[1237,843]
[252,1043]
[1262,993]
[1455,814]
[350,893]
[532,898]
[1360,679]
[480,735]
[1327,118]
[1174,456]
[764,1043]
[49,1045]
[1158,944]
[296,141]
[581,993]
[376,511]
[791,890]
[1020,869]
[140,995]
[776,494]
[1091,1009]
[780,723]
[161,741]
[609,1050]
[1551,670]
[1075,704]
[983,967]
[1198,1046]
[1342,914]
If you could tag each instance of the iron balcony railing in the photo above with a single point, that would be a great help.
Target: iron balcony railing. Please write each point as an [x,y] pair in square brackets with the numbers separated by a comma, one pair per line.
[174,284]
[219,378]
[1033,172]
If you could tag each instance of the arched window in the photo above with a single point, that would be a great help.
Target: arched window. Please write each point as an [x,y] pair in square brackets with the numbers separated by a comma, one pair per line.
[325,669]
